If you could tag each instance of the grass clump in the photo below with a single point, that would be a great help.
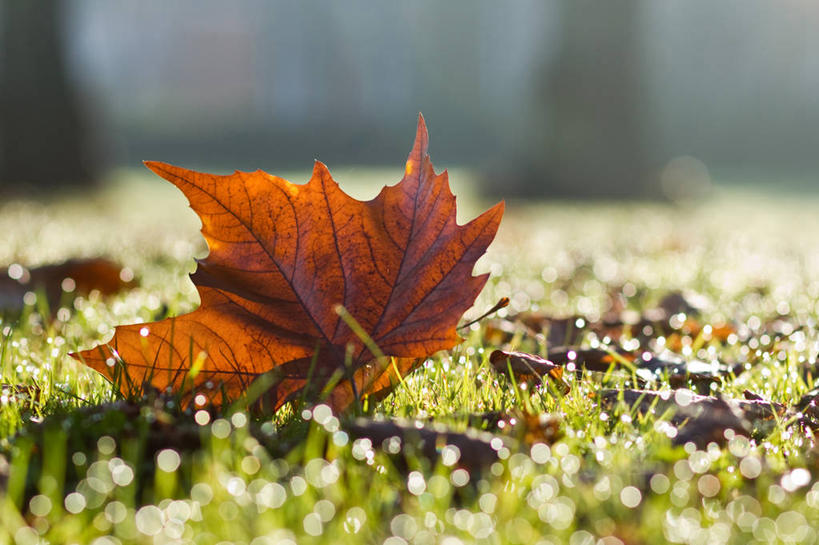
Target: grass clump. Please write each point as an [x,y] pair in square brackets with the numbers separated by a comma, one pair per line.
[81,465]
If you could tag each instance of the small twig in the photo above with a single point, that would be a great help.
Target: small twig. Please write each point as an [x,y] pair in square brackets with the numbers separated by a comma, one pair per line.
[504,301]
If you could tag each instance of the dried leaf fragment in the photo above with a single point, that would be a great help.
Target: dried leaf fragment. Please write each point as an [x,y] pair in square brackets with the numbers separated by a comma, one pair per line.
[473,449]
[648,367]
[702,419]
[530,365]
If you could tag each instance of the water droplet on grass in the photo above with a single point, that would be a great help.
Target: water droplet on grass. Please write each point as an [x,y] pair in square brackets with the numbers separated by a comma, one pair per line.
[168,460]
[149,520]
[631,496]
[74,503]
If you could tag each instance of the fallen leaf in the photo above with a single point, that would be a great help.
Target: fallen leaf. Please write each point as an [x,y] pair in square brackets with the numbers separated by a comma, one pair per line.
[529,365]
[808,407]
[473,449]
[592,359]
[284,256]
[571,330]
[76,276]
[683,302]
[648,367]
[701,419]
[526,427]
[551,330]
[536,428]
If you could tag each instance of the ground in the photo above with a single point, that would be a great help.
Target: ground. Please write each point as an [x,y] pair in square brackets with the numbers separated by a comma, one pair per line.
[734,274]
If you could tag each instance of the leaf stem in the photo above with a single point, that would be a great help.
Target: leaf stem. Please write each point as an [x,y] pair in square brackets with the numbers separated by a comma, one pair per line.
[502,303]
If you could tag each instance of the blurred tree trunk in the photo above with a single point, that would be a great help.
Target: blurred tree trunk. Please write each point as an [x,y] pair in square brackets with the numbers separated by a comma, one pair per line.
[592,139]
[43,141]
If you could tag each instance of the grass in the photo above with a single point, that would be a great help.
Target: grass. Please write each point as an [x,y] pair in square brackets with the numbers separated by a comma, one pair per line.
[79,466]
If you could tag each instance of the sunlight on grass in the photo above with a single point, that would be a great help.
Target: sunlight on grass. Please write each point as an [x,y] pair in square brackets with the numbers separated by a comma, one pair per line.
[79,465]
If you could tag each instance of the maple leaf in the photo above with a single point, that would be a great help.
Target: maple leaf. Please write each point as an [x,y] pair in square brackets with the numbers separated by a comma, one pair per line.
[284,256]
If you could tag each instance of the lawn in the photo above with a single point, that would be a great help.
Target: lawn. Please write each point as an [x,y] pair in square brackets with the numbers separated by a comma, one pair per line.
[730,282]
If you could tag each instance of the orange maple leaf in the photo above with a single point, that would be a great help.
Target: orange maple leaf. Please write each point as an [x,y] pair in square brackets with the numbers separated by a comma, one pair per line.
[284,256]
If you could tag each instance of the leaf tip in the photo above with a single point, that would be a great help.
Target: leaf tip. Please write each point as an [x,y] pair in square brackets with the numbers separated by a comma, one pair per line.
[155,166]
[422,124]
[163,170]
[321,172]
[419,148]
[491,218]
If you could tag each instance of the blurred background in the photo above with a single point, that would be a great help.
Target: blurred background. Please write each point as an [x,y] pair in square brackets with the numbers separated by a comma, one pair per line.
[575,99]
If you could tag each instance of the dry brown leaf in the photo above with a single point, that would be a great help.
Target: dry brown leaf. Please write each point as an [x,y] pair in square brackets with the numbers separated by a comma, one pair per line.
[283,257]
[472,449]
[530,365]
[649,368]
[702,419]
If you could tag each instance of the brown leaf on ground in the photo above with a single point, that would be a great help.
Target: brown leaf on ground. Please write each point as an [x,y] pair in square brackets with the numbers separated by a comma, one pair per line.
[475,448]
[284,258]
[529,365]
[554,331]
[592,359]
[526,427]
[76,276]
[648,367]
[537,428]
[666,319]
[472,449]
[685,302]
[701,419]
[808,406]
